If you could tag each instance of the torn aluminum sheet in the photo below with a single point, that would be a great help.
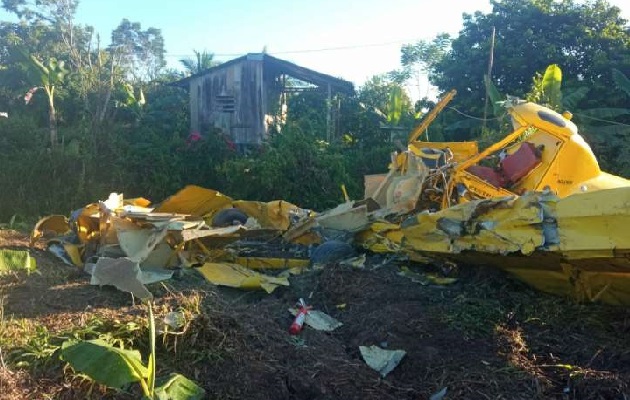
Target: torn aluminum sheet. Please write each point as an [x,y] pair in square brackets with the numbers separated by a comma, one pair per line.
[162,256]
[117,227]
[154,275]
[300,229]
[400,189]
[345,217]
[114,201]
[380,360]
[15,261]
[318,320]
[191,234]
[576,246]
[176,224]
[175,319]
[139,243]
[355,262]
[237,276]
[122,273]
[381,237]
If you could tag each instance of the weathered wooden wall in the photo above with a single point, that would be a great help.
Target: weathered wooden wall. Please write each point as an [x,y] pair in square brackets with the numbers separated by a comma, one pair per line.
[231,99]
[242,96]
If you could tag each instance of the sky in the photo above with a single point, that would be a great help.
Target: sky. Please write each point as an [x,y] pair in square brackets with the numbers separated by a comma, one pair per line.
[349,39]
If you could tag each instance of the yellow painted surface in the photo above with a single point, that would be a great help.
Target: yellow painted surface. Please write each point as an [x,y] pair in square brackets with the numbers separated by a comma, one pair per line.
[380,237]
[57,224]
[138,202]
[273,215]
[601,182]
[461,150]
[585,286]
[237,276]
[74,251]
[195,200]
[568,164]
[590,263]
[594,224]
[87,224]
[271,263]
[431,115]
[501,225]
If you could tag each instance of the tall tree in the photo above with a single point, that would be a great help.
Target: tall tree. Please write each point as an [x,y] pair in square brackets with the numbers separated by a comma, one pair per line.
[51,11]
[585,39]
[417,59]
[142,51]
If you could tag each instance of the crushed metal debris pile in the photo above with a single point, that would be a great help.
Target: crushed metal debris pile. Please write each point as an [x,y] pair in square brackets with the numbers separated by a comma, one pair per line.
[535,204]
[127,243]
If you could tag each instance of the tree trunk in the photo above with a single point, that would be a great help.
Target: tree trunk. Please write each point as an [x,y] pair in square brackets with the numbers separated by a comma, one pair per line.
[52,118]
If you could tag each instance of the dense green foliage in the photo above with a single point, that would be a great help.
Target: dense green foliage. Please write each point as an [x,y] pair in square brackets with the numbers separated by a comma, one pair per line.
[119,126]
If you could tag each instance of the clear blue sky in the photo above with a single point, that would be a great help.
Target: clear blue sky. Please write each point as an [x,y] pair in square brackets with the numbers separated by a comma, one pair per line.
[370,32]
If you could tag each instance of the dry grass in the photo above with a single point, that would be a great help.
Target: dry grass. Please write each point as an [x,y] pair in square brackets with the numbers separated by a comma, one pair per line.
[486,337]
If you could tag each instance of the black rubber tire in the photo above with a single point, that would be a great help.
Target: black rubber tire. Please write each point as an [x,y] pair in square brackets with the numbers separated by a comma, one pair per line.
[332,251]
[229,217]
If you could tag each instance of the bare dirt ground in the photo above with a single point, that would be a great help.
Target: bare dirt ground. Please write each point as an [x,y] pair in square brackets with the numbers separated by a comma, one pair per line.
[484,337]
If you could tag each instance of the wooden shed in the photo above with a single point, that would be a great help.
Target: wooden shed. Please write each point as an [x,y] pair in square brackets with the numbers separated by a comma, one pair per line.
[243,96]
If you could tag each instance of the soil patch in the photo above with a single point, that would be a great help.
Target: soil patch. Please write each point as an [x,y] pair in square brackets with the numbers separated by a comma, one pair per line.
[484,337]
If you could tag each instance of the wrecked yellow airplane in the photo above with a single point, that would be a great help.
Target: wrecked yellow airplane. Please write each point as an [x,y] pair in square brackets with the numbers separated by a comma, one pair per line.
[535,204]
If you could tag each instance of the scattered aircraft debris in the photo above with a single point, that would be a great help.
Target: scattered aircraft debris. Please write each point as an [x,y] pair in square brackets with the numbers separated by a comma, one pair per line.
[535,204]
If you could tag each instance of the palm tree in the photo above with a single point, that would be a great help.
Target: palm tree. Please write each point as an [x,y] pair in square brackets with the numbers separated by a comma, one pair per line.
[202,61]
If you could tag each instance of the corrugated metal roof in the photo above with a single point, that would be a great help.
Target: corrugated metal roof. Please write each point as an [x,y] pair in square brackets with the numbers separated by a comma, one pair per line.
[282,66]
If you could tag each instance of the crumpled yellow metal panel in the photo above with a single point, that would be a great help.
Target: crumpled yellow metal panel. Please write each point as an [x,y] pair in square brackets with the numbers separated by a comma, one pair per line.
[237,276]
[274,214]
[57,224]
[271,262]
[381,237]
[195,200]
[500,225]
[75,252]
[576,247]
[87,223]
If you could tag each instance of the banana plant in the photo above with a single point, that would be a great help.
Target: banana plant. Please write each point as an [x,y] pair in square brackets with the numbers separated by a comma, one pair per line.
[117,368]
[547,88]
[396,107]
[494,95]
[132,102]
[46,76]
